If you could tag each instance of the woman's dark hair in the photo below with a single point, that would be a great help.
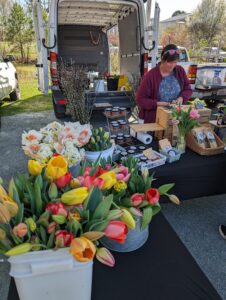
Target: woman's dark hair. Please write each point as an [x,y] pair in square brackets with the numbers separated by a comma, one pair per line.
[170,53]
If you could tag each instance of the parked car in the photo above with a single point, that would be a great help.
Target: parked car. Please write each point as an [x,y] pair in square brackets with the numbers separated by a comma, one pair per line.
[8,79]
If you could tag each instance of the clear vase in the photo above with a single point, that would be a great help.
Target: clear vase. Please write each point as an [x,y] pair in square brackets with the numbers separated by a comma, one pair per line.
[181,144]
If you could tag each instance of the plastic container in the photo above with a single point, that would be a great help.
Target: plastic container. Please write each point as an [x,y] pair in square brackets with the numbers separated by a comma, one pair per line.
[51,275]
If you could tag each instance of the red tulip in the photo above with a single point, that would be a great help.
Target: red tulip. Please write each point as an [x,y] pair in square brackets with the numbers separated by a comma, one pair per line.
[62,181]
[116,230]
[136,199]
[63,238]
[56,208]
[152,196]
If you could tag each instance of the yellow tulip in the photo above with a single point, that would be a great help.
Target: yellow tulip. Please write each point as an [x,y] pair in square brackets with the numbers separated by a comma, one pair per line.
[12,208]
[82,249]
[75,196]
[109,179]
[34,167]
[56,167]
[128,219]
[4,214]
[4,196]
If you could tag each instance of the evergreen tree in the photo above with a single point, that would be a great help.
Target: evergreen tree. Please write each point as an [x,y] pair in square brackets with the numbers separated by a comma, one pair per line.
[20,30]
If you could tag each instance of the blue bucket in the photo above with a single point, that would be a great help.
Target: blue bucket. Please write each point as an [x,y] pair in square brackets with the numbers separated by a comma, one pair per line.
[136,238]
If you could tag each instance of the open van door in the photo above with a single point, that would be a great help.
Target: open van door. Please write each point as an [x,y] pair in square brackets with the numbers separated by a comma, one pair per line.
[42,62]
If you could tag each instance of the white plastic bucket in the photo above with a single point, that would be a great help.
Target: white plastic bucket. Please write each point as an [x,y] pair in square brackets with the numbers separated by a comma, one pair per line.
[93,155]
[51,275]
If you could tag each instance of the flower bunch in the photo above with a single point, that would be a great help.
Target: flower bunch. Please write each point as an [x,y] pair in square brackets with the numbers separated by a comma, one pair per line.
[66,140]
[99,141]
[186,118]
[48,209]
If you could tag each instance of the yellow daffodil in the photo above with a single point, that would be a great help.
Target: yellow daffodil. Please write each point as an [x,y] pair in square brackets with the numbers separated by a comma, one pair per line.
[35,167]
[82,249]
[109,179]
[75,196]
[56,167]
[120,186]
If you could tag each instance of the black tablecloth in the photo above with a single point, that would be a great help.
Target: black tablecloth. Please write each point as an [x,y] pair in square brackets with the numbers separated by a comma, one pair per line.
[194,175]
[161,270]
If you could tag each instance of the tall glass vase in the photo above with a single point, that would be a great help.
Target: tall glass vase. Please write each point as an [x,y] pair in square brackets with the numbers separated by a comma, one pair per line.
[181,144]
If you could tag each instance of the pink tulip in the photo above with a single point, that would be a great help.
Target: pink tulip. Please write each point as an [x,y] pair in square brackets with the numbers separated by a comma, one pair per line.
[116,230]
[123,174]
[105,257]
[90,181]
[136,199]
[152,196]
[194,114]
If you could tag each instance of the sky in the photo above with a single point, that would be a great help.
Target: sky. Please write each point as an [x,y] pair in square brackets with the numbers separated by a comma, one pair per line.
[168,7]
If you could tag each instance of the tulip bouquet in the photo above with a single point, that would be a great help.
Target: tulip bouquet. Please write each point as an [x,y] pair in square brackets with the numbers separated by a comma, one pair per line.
[48,209]
[186,118]
[67,140]
[99,141]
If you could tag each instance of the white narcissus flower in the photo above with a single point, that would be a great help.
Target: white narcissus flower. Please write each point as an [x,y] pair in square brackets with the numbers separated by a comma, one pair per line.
[31,137]
[45,152]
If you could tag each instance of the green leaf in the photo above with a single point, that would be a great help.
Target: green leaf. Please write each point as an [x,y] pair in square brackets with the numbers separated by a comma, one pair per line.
[30,191]
[15,196]
[156,209]
[147,216]
[100,226]
[163,189]
[93,200]
[148,182]
[126,202]
[103,208]
[43,234]
[50,243]
[38,197]
[76,226]
[20,214]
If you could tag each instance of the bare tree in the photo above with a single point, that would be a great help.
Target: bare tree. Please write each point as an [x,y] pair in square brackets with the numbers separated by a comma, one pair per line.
[207,19]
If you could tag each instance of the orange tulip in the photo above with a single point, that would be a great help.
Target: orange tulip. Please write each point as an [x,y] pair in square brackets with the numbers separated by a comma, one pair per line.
[82,249]
[20,230]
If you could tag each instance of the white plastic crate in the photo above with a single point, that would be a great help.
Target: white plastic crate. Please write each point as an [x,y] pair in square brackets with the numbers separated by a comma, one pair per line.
[151,164]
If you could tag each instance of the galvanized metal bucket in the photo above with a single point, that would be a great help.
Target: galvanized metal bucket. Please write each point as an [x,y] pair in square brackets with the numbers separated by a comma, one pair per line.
[136,238]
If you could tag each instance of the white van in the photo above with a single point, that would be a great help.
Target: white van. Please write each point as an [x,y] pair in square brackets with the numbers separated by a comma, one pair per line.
[77,31]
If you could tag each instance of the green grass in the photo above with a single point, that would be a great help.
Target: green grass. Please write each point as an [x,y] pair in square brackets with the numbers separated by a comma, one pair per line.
[32,100]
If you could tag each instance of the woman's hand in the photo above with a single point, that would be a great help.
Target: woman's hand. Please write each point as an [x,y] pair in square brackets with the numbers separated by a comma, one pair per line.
[163,103]
[179,101]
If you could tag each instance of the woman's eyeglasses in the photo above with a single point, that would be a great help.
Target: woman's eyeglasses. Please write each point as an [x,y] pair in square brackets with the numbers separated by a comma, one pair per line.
[172,52]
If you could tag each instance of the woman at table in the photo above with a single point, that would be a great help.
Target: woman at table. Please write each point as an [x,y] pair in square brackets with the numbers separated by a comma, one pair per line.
[164,84]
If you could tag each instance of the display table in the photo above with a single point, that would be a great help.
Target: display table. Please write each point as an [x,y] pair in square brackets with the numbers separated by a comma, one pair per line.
[162,269]
[194,175]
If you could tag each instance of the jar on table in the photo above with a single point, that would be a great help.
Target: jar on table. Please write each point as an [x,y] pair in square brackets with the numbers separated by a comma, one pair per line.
[115,127]
[141,148]
[123,125]
[127,138]
[131,152]
[115,112]
[119,140]
[122,111]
